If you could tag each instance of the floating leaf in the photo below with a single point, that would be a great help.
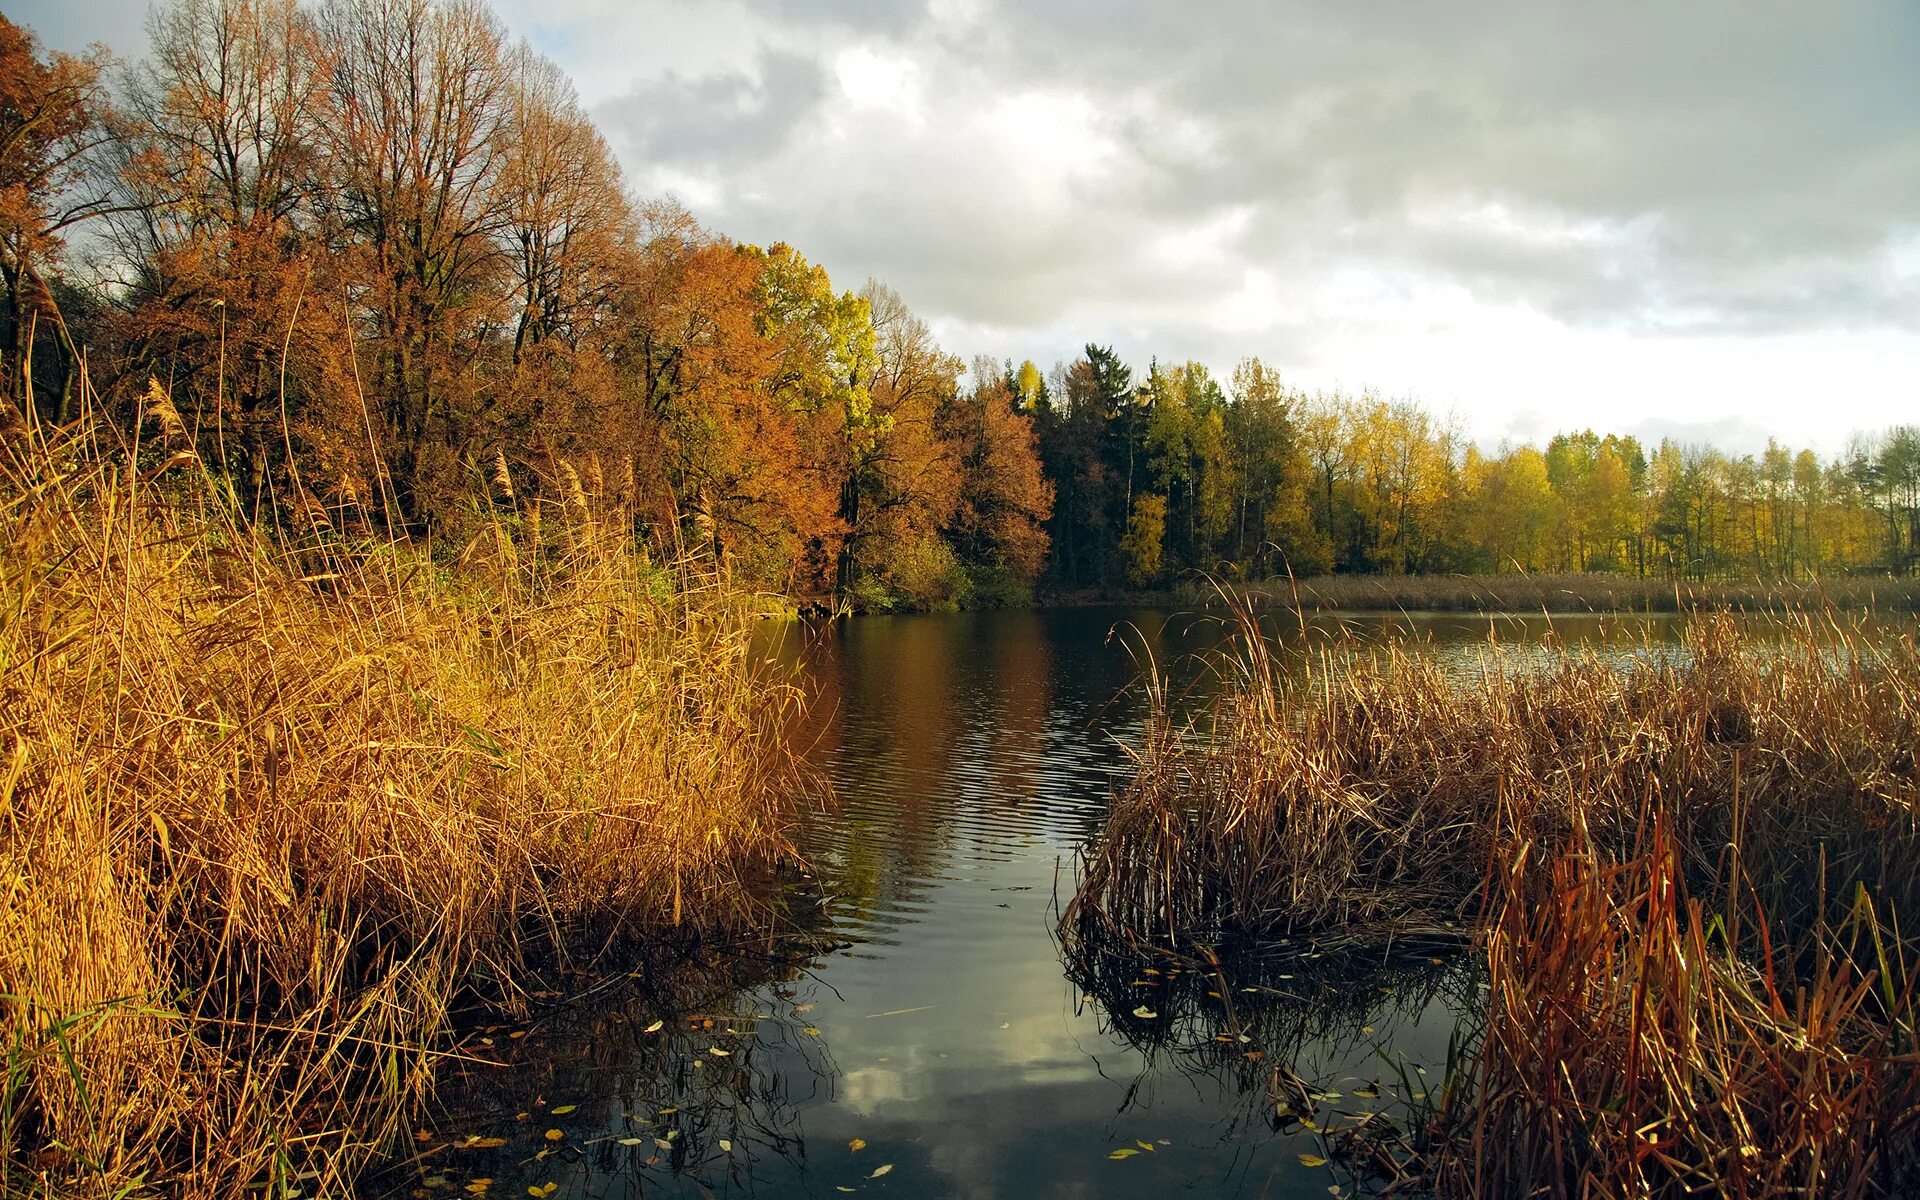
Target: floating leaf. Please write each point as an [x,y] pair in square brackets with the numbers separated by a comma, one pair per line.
[717,1052]
[880,1170]
[811,1031]
[663,1143]
[1312,1160]
[481,1143]
[632,1141]
[800,1008]
[726,1147]
[564,1109]
[1148,1146]
[1123,1152]
[656,1027]
[544,1189]
[556,1135]
[857,1145]
[838,1188]
[1145,1013]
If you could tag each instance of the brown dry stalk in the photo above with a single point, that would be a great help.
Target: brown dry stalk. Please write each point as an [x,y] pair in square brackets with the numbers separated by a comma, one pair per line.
[271,810]
[1689,873]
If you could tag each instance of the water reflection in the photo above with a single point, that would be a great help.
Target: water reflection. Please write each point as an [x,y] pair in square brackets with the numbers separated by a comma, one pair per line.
[972,755]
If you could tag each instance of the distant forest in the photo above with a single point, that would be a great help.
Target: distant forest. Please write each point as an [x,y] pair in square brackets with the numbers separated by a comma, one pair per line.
[373,258]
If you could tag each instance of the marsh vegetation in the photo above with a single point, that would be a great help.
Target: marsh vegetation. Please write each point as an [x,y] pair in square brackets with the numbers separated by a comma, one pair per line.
[1690,879]
[281,806]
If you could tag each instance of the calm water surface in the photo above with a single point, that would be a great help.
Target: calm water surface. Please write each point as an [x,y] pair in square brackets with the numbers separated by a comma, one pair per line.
[934,1019]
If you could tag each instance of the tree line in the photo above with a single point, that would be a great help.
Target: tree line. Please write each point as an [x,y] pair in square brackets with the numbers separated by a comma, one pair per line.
[1177,472]
[373,258]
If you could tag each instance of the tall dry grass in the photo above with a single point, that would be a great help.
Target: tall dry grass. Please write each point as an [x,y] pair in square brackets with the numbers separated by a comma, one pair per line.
[274,805]
[1694,879]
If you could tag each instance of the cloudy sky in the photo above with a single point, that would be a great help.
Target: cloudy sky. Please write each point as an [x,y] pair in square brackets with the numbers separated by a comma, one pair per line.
[1699,218]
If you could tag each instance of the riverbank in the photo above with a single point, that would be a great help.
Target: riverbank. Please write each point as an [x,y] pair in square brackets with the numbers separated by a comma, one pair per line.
[280,805]
[1690,880]
[1597,593]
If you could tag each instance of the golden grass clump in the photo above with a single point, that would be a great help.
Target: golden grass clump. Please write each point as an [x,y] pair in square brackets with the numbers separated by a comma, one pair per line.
[1693,878]
[1336,788]
[1634,1044]
[274,806]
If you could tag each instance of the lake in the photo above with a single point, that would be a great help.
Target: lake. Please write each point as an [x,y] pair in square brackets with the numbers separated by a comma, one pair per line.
[925,1037]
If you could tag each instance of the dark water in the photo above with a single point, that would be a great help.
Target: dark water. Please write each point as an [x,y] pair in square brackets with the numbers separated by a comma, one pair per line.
[971,756]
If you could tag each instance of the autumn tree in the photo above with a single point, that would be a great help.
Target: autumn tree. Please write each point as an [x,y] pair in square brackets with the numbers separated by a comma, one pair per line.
[419,127]
[51,120]
[232,292]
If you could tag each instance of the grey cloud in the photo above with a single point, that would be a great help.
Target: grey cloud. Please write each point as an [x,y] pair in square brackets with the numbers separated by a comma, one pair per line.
[731,120]
[1751,132]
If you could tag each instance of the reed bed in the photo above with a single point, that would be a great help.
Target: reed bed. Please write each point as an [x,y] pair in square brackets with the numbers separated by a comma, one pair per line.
[1639,1042]
[1693,878]
[1580,593]
[277,805]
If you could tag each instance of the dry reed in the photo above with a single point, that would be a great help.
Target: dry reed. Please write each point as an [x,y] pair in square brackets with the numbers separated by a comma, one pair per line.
[1579,593]
[1689,873]
[275,806]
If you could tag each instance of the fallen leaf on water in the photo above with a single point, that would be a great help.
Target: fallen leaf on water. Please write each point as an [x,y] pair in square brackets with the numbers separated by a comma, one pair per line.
[1165,1141]
[632,1141]
[667,1112]
[726,1147]
[1006,1024]
[838,1188]
[1312,1160]
[517,1034]
[857,1145]
[481,1143]
[880,1170]
[1123,1152]
[656,1027]
[1145,1013]
[800,1008]
[543,1189]
[1366,1093]
[423,1135]
[556,1135]
[811,1031]
[1148,1146]
[478,1186]
[564,1109]
[663,1143]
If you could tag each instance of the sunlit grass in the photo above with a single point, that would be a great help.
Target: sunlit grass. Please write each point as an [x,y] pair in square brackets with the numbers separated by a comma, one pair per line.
[277,802]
